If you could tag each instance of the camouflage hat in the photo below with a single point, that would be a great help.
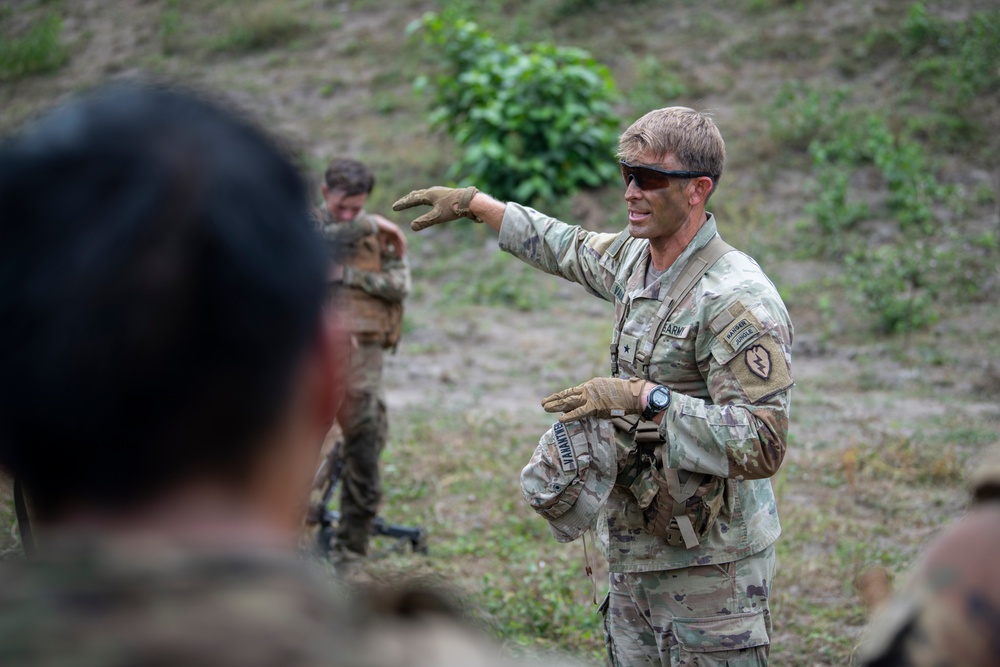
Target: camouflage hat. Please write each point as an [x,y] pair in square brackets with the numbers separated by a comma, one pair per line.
[571,474]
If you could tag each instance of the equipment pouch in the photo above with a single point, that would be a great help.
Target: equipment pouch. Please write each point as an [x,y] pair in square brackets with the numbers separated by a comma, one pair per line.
[677,506]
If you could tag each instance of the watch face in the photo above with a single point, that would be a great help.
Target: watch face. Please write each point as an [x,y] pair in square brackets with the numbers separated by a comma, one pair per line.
[659,398]
[657,401]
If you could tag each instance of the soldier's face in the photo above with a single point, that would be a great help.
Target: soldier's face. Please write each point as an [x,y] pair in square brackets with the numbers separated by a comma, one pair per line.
[341,206]
[658,214]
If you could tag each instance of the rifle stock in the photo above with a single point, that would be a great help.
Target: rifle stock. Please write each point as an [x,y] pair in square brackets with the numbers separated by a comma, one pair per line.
[326,480]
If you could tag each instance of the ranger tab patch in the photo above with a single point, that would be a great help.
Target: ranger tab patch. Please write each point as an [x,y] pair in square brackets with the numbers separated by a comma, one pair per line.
[745,329]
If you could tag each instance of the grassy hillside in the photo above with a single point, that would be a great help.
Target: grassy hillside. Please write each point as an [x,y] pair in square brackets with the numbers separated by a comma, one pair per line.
[862,175]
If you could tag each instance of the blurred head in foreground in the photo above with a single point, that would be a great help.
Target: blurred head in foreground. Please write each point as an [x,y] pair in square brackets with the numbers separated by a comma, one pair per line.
[164,345]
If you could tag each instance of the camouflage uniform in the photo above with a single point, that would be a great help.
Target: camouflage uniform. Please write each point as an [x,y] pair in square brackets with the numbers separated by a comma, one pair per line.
[726,353]
[363,417]
[91,603]
[949,612]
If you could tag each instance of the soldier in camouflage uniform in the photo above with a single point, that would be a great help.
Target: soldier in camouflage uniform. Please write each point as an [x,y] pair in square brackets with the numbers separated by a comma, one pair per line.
[367,285]
[949,611]
[167,376]
[714,379]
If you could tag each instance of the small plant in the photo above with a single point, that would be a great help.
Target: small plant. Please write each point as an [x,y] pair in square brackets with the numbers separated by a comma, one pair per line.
[655,87]
[892,284]
[37,51]
[800,114]
[534,123]
[956,58]
[170,28]
[500,281]
[260,28]
[899,282]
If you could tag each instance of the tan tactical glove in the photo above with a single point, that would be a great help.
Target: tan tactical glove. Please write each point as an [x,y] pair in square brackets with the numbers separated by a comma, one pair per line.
[600,397]
[448,204]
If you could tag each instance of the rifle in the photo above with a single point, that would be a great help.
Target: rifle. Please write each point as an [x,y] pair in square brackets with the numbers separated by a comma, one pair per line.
[326,519]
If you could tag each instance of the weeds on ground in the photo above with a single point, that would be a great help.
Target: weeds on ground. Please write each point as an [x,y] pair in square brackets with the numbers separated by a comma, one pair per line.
[900,280]
[259,28]
[37,51]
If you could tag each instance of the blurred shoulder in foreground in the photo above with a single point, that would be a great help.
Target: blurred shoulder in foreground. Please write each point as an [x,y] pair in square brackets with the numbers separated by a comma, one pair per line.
[949,612]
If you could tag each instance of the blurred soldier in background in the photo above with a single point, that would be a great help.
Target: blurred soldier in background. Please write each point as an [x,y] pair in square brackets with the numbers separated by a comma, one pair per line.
[167,376]
[367,285]
[949,611]
[701,351]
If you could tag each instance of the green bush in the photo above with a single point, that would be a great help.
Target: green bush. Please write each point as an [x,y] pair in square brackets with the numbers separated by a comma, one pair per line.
[37,51]
[533,123]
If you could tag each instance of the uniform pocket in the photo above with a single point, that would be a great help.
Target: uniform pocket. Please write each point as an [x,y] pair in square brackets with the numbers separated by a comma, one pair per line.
[737,640]
[608,642]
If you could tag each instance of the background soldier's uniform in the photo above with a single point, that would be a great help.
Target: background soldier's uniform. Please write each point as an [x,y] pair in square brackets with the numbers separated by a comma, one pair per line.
[370,295]
[949,612]
[726,353]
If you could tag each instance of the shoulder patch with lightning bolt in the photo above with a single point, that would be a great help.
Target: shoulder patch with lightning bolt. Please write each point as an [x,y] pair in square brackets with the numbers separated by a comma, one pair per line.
[761,369]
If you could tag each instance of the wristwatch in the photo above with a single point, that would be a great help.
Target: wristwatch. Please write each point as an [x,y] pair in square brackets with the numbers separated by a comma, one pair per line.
[656,402]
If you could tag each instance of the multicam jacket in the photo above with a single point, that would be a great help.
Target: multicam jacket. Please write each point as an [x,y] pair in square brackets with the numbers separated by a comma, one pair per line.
[374,282]
[725,351]
[390,283]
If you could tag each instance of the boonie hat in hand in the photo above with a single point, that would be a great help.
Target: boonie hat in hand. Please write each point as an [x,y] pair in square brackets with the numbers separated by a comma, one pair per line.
[570,475]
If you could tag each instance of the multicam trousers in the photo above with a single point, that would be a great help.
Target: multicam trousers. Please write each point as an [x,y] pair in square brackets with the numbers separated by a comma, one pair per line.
[708,615]
[364,424]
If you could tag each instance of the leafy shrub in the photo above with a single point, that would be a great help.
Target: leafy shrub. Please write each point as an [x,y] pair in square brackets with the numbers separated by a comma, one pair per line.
[534,123]
[37,51]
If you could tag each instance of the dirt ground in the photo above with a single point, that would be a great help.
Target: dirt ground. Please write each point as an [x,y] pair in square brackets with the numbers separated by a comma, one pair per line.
[866,411]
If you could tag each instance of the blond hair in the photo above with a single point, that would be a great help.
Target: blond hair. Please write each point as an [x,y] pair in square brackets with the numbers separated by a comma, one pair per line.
[690,136]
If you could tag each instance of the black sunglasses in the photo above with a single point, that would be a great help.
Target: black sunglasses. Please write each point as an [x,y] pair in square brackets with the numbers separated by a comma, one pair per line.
[651,178]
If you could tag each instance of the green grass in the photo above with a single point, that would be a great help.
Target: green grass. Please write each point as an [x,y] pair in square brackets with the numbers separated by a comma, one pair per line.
[867,480]
[37,51]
